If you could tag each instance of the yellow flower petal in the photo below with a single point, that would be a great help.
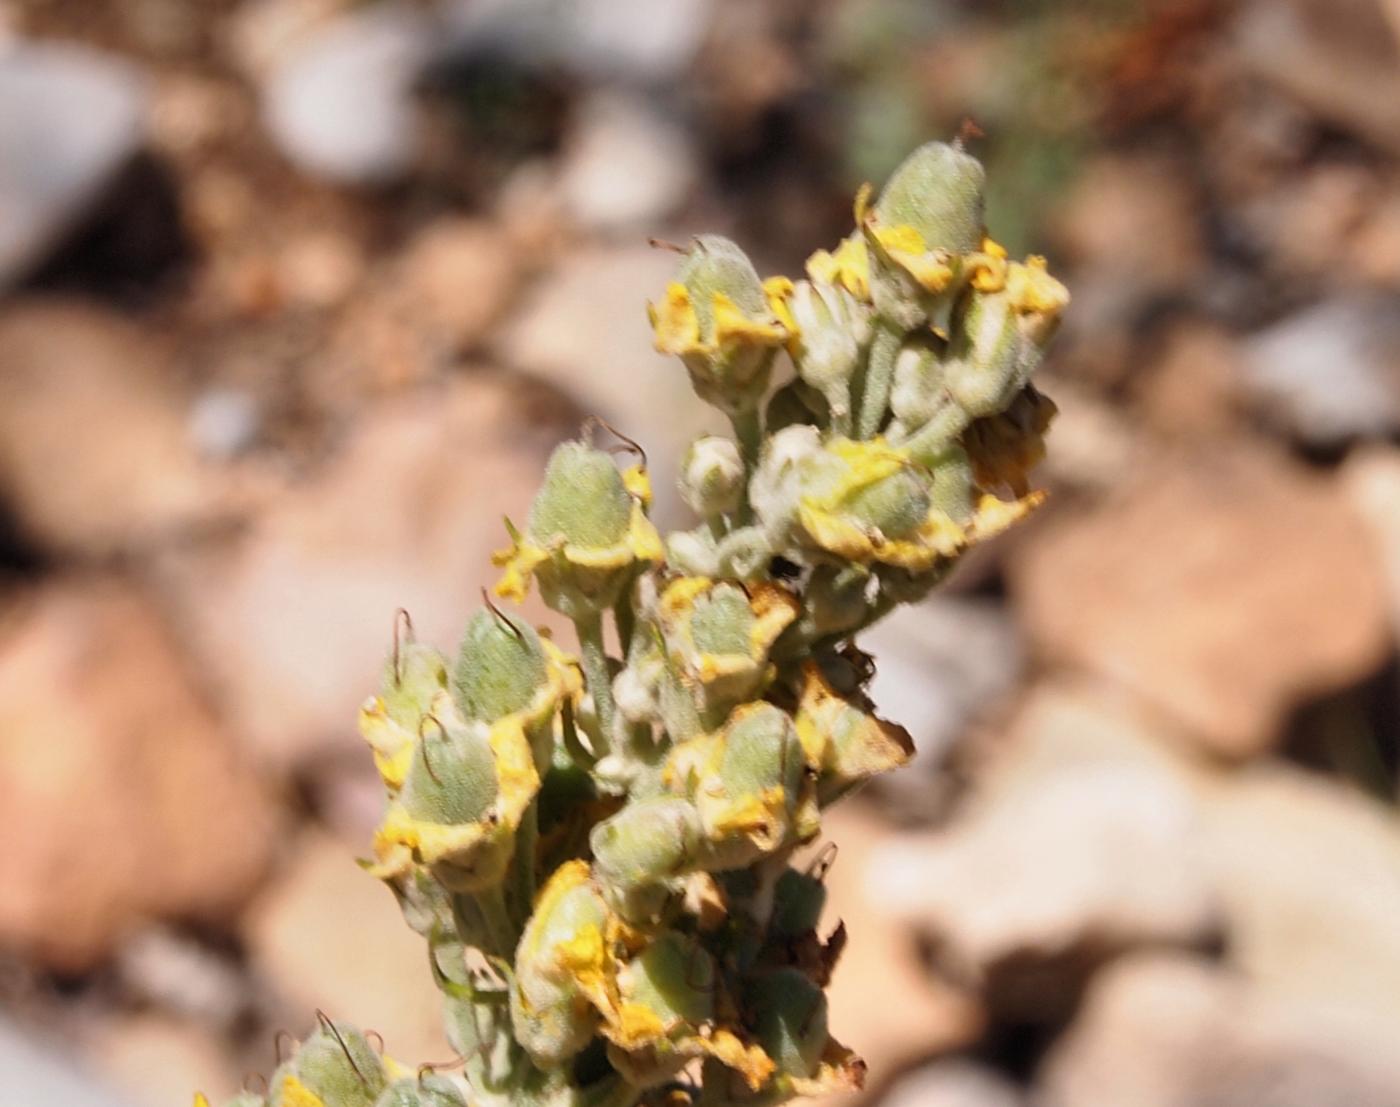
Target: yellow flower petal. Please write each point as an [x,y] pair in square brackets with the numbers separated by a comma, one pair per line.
[293,1093]
[638,484]
[1033,290]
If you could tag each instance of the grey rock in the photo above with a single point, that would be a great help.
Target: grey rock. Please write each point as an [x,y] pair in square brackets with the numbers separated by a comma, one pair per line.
[70,119]
[33,1075]
[627,39]
[340,103]
[952,1083]
[1331,373]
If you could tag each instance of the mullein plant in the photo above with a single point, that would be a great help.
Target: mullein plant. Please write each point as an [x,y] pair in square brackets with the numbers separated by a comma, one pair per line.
[612,857]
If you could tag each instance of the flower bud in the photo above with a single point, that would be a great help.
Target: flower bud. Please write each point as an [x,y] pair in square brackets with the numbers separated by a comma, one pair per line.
[638,851]
[927,219]
[665,1017]
[832,327]
[588,531]
[428,1090]
[335,1067]
[867,502]
[712,476]
[749,785]
[561,965]
[720,319]
[719,635]
[776,488]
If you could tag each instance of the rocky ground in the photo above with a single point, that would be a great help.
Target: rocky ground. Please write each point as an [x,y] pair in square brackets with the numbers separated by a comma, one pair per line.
[298,294]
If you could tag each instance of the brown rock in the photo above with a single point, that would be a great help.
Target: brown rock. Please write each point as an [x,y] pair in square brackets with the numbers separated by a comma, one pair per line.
[329,937]
[1190,391]
[1082,840]
[294,623]
[437,299]
[1222,587]
[125,792]
[1162,1030]
[94,450]
[1339,60]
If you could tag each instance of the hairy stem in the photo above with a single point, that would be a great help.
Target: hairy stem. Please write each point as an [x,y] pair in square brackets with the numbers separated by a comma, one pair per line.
[599,677]
[879,378]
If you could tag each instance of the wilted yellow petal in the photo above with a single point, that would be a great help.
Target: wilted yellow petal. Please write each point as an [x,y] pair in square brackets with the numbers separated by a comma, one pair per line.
[750,1062]
[674,320]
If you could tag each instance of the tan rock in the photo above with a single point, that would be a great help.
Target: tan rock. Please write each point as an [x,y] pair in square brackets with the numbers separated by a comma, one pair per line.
[1081,840]
[1372,483]
[126,794]
[94,449]
[1161,1030]
[1223,587]
[1309,877]
[327,935]
[616,373]
[295,621]
[157,1061]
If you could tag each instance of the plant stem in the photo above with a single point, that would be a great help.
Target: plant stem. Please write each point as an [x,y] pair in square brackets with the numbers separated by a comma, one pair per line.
[748,431]
[589,629]
[879,377]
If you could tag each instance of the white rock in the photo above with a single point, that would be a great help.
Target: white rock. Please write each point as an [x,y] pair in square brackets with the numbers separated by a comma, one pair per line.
[628,166]
[1332,372]
[340,105]
[938,665]
[70,119]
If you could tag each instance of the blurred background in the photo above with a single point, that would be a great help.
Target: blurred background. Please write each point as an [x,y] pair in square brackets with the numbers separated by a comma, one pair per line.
[295,297]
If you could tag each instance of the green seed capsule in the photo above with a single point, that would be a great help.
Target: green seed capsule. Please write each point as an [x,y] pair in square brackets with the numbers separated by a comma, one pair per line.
[790,1021]
[336,1064]
[937,190]
[583,500]
[500,668]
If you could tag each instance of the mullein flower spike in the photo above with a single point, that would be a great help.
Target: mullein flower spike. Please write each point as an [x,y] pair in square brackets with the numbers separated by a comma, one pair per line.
[612,859]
